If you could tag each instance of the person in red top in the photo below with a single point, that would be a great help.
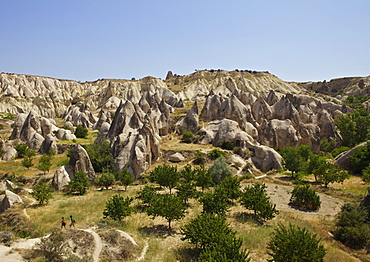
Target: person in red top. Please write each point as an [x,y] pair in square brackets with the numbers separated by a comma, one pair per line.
[63,223]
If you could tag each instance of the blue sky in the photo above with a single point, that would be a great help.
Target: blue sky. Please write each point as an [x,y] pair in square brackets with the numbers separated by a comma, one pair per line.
[86,40]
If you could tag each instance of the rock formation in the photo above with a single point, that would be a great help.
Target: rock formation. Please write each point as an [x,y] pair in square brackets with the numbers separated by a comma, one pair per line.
[80,161]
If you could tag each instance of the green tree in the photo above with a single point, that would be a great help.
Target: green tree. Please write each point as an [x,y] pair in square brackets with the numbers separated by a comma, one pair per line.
[81,132]
[100,155]
[326,145]
[186,190]
[292,159]
[304,197]
[27,162]
[214,203]
[216,153]
[360,159]
[79,183]
[167,206]
[146,194]
[295,244]
[203,177]
[213,235]
[219,170]
[255,198]
[21,149]
[105,180]
[187,136]
[42,192]
[317,165]
[231,187]
[366,174]
[125,177]
[44,163]
[165,175]
[206,230]
[334,174]
[352,226]
[118,207]
[354,127]
[199,158]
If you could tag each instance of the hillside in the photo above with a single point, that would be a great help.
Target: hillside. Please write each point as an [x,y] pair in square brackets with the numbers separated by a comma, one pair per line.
[139,125]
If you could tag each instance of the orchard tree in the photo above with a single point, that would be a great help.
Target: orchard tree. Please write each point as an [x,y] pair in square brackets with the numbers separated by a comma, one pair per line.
[213,235]
[167,206]
[100,155]
[147,194]
[125,177]
[165,175]
[44,163]
[79,183]
[295,244]
[255,198]
[219,170]
[231,187]
[203,177]
[105,180]
[42,192]
[292,159]
[214,203]
[27,162]
[118,207]
[334,174]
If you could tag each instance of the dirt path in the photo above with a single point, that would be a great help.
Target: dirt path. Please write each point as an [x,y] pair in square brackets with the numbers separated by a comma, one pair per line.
[98,243]
[280,195]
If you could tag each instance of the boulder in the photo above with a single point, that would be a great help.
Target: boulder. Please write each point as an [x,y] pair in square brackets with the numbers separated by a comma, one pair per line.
[177,157]
[190,121]
[343,160]
[80,161]
[35,141]
[10,200]
[61,178]
[9,154]
[18,124]
[48,144]
[265,158]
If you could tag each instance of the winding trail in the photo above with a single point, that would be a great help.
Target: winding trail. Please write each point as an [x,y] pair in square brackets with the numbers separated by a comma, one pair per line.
[98,242]
[143,253]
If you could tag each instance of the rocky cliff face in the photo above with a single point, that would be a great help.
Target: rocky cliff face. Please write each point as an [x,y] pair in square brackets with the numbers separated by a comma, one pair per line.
[245,109]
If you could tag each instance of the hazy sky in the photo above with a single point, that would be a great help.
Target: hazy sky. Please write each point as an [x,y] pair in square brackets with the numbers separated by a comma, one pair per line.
[86,40]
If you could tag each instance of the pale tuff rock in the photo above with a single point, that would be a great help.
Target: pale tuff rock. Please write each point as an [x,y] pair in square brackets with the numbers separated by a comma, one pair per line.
[279,134]
[63,134]
[48,144]
[9,154]
[35,141]
[61,178]
[103,133]
[31,125]
[80,161]
[177,157]
[10,200]
[190,121]
[265,158]
[18,124]
[80,115]
[343,159]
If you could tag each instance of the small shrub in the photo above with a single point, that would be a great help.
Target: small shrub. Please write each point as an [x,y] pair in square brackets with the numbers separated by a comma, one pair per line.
[81,132]
[187,136]
[366,174]
[118,207]
[199,158]
[216,153]
[306,198]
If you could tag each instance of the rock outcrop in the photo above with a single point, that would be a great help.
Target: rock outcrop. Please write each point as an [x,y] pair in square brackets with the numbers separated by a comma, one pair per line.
[9,200]
[80,161]
[61,178]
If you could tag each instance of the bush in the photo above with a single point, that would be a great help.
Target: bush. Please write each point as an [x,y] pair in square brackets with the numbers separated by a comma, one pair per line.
[105,180]
[366,174]
[118,207]
[306,198]
[219,170]
[44,163]
[255,198]
[54,247]
[293,244]
[81,132]
[187,136]
[21,149]
[100,156]
[79,183]
[199,158]
[360,158]
[214,203]
[216,153]
[42,192]
[352,228]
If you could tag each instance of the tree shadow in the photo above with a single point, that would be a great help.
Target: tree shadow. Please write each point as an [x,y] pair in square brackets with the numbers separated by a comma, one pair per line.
[161,231]
[187,254]
[243,217]
[303,209]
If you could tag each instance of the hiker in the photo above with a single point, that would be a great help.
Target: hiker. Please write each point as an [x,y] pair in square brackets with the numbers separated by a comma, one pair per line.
[73,222]
[63,223]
